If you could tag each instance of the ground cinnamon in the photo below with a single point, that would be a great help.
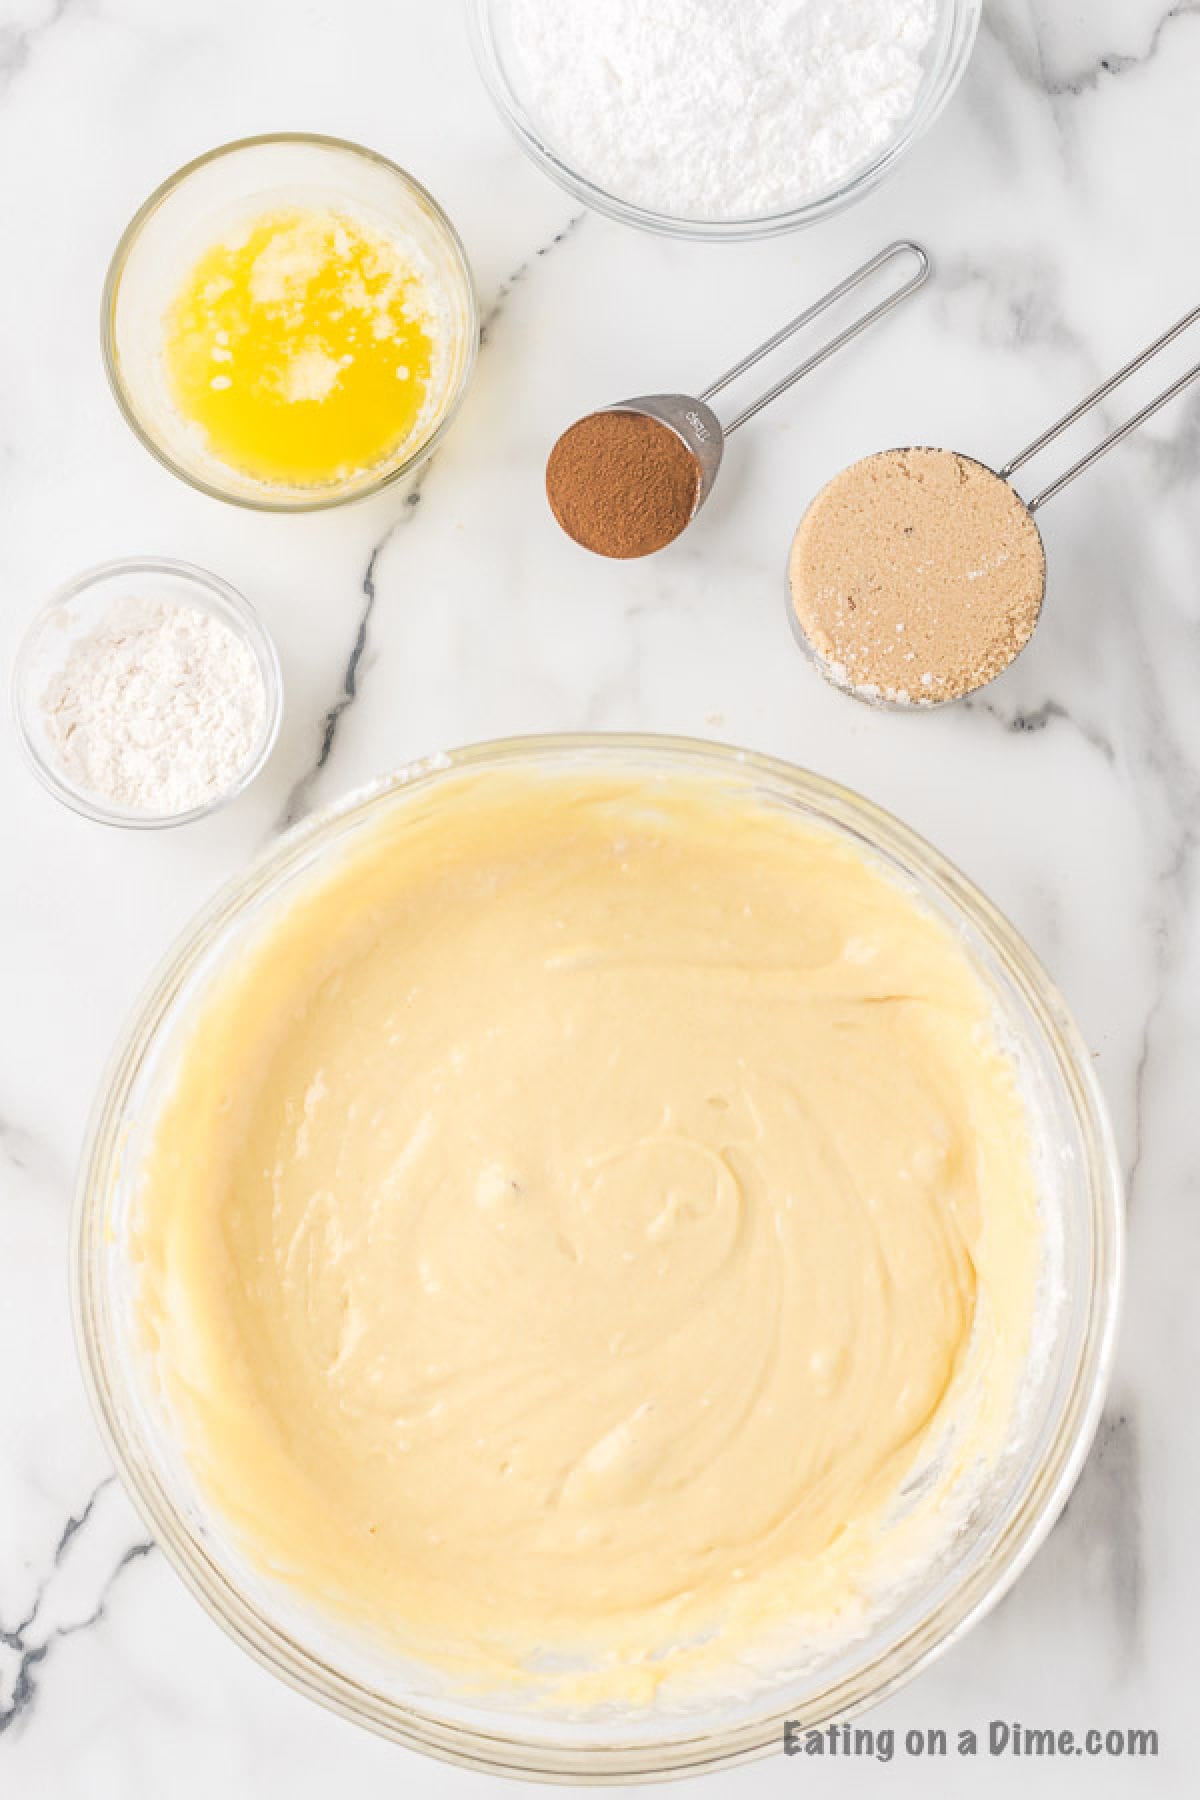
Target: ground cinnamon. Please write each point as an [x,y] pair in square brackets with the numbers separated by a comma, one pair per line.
[622,484]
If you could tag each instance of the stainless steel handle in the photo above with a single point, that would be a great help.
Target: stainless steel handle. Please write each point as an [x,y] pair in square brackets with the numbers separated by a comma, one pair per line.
[1122,431]
[902,249]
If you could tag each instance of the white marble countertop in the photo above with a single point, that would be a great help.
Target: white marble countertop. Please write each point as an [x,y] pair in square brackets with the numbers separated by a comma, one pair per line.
[1057,197]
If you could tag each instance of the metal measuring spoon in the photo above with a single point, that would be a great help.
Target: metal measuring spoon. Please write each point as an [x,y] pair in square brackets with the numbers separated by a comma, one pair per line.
[691,419]
[851,612]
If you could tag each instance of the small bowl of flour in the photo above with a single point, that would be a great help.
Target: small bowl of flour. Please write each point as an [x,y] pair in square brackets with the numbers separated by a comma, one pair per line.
[147,693]
[710,119]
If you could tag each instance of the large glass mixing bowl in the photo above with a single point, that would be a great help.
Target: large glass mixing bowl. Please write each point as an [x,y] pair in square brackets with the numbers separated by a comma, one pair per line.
[1009,1515]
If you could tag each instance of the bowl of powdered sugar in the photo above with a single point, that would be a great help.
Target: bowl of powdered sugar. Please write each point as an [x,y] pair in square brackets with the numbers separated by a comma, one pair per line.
[147,693]
[707,119]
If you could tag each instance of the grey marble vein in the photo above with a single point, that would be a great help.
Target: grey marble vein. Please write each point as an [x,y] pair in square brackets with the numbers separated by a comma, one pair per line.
[1018,300]
[30,1647]
[1173,890]
[1170,784]
[521,272]
[32,1155]
[16,1145]
[1107,1505]
[1174,461]
[1031,62]
[78,1520]
[1022,721]
[18,43]
[297,801]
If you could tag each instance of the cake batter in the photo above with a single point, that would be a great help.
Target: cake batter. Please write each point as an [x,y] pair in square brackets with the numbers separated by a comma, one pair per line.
[575,1217]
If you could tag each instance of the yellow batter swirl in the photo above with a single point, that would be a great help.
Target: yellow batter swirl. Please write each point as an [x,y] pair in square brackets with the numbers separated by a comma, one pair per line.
[575,1217]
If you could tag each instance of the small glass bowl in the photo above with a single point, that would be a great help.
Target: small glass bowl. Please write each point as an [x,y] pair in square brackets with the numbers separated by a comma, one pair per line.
[945,59]
[187,214]
[362,1679]
[80,607]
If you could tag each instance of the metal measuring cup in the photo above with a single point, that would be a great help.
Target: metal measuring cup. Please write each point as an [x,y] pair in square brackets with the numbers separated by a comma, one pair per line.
[691,418]
[837,671]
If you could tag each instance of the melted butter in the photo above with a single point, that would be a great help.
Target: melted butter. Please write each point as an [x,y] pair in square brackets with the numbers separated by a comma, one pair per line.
[576,1217]
[302,347]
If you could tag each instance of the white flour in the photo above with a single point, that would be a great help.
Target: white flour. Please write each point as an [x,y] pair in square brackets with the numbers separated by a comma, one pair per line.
[158,710]
[719,109]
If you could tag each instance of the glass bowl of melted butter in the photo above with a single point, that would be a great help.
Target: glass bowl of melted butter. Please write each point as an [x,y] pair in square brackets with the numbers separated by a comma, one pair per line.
[289,322]
[596,1252]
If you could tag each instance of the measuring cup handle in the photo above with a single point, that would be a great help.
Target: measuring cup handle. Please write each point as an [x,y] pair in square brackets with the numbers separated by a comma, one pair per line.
[1093,399]
[903,249]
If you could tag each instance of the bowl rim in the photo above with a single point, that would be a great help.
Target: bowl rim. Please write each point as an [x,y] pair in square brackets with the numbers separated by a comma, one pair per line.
[319,501]
[248,623]
[937,90]
[687,1752]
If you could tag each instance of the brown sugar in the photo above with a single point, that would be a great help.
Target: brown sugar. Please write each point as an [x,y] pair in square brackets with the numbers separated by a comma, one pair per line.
[917,576]
[622,484]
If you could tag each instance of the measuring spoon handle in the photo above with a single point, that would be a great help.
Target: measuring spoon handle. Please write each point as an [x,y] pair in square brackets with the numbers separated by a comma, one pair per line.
[1122,431]
[904,248]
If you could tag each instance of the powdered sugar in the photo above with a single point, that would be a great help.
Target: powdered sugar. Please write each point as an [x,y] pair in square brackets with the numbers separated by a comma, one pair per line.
[158,710]
[707,109]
